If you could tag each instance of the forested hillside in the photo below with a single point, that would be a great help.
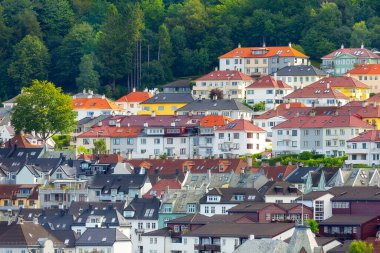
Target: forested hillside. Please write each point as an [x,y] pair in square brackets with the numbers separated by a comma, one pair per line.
[110,45]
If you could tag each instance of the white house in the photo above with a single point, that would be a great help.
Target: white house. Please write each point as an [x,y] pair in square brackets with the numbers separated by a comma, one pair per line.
[231,82]
[299,76]
[238,138]
[320,201]
[269,90]
[364,148]
[279,192]
[131,101]
[323,134]
[7,132]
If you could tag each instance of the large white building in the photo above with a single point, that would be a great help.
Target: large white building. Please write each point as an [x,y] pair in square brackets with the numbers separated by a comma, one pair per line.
[269,90]
[321,134]
[261,60]
[364,148]
[231,82]
[239,137]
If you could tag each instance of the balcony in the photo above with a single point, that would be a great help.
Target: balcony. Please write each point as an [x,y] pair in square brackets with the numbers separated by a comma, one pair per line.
[207,247]
[22,195]
[139,230]
[63,190]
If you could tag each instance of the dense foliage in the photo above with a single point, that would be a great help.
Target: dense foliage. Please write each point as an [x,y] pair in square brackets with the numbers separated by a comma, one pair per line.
[358,246]
[97,43]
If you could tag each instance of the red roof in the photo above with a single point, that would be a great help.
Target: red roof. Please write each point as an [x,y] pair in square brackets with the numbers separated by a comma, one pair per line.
[241,125]
[357,52]
[268,82]
[215,120]
[370,135]
[21,140]
[338,81]
[10,190]
[278,173]
[162,186]
[374,99]
[135,96]
[111,131]
[95,103]
[227,75]
[369,69]
[316,92]
[291,105]
[246,52]
[323,121]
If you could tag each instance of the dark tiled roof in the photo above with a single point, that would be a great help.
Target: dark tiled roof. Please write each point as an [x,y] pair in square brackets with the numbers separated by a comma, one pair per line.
[196,218]
[227,195]
[345,219]
[328,173]
[313,195]
[181,83]
[371,193]
[120,182]
[212,105]
[300,70]
[299,175]
[166,232]
[279,188]
[278,173]
[163,98]
[101,237]
[111,217]
[77,207]
[343,248]
[144,209]
[67,237]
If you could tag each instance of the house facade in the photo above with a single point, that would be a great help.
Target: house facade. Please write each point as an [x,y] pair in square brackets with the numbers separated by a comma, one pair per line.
[368,74]
[364,148]
[164,103]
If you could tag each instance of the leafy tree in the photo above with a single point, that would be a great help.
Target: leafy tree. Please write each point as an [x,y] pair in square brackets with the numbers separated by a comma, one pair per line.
[82,150]
[165,51]
[61,141]
[360,35]
[313,225]
[56,18]
[88,77]
[153,74]
[44,109]
[99,147]
[154,13]
[260,106]
[358,246]
[306,155]
[30,61]
[218,93]
[78,42]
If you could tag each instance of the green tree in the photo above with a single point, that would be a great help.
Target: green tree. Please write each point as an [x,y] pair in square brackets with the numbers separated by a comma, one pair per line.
[165,50]
[56,18]
[218,93]
[153,74]
[313,225]
[100,147]
[61,141]
[117,41]
[82,150]
[358,246]
[44,109]
[30,61]
[88,77]
[360,35]
[260,106]
[78,42]
[154,13]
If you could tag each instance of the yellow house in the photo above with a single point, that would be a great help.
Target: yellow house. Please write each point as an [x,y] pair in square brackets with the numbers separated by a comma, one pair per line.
[368,74]
[348,86]
[165,103]
[14,196]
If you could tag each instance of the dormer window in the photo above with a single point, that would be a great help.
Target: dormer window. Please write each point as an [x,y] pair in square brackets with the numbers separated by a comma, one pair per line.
[213,198]
[239,197]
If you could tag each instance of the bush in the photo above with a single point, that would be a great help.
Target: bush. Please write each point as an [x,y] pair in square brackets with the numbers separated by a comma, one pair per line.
[306,155]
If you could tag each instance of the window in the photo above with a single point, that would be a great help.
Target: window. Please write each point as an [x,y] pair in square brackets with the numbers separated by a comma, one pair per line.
[183,140]
[279,132]
[221,135]
[147,225]
[156,141]
[249,146]
[182,151]
[213,209]
[140,225]
[294,132]
[169,140]
[279,201]
[209,140]
[191,208]
[116,141]
[86,142]
[156,151]
[174,108]
[143,141]
[223,209]
[161,108]
[206,209]
[269,92]
[185,241]
[167,208]
[228,62]
[236,135]
[294,144]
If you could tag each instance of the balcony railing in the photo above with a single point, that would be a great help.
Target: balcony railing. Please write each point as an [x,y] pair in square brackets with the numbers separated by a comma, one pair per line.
[63,190]
[207,247]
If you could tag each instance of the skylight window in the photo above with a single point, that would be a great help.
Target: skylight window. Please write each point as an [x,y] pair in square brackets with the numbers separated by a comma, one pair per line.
[104,239]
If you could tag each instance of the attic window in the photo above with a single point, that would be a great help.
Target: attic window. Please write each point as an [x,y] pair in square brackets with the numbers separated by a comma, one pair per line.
[93,104]
[113,220]
[89,238]
[104,239]
[67,241]
[20,153]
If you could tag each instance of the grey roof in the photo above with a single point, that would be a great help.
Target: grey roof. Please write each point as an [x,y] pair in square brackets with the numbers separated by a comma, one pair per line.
[303,238]
[56,219]
[300,70]
[101,237]
[91,120]
[262,245]
[279,188]
[163,98]
[227,195]
[68,154]
[346,219]
[77,207]
[122,183]
[212,105]
[299,175]
[111,217]
[67,237]
[144,209]
[12,100]
[343,248]
[313,195]
[181,83]
[180,198]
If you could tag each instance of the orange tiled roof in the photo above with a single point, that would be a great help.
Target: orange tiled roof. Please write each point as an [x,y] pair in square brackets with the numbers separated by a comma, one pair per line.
[268,82]
[291,105]
[136,96]
[241,125]
[316,92]
[246,52]
[95,103]
[111,131]
[369,69]
[215,120]
[339,81]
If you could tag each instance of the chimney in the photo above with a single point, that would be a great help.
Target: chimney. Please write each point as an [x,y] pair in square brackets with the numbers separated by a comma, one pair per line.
[134,89]
[249,160]
[118,124]
[216,68]
[275,76]
[129,113]
[153,114]
[100,123]
[129,154]
[290,44]
[264,45]
[342,46]
[365,103]
[328,85]
[362,46]
[215,97]
[172,124]
[287,106]
[146,124]
[239,45]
